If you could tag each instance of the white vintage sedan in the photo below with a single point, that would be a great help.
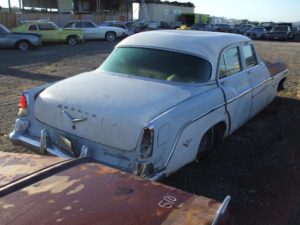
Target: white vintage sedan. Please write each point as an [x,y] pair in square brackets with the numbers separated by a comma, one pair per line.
[157,103]
[92,31]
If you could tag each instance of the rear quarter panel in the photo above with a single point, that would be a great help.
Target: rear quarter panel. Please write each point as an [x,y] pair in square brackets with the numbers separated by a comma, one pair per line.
[183,126]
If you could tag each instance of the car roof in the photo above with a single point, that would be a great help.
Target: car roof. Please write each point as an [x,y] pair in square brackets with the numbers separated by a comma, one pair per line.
[205,44]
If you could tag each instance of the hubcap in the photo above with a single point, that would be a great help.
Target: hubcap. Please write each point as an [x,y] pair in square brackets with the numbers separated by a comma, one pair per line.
[111,37]
[23,46]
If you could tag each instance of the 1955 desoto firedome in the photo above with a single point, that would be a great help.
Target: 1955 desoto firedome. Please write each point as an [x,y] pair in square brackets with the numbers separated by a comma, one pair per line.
[158,102]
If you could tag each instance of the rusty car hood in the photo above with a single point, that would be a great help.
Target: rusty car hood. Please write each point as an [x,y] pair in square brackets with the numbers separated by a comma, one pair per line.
[81,191]
[14,167]
[111,110]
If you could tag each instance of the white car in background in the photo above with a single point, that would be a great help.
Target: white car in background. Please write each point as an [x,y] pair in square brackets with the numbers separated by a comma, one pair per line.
[93,31]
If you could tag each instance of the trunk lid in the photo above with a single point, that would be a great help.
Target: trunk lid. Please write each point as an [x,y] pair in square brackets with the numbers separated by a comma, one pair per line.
[106,108]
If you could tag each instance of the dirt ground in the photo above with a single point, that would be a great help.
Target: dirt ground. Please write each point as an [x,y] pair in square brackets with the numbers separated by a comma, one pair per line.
[259,165]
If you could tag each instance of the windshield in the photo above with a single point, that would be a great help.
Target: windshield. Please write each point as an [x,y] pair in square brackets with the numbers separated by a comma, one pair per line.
[158,64]
[3,29]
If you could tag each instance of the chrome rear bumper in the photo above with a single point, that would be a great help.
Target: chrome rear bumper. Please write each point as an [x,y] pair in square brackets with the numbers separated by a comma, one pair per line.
[40,145]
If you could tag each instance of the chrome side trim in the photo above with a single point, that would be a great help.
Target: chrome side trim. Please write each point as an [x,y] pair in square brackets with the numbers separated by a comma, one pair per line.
[222,210]
[261,83]
[185,126]
[210,83]
[239,96]
[249,90]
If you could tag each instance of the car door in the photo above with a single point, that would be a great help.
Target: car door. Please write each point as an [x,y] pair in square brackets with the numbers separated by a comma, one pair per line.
[4,42]
[260,79]
[235,83]
[49,32]
[91,32]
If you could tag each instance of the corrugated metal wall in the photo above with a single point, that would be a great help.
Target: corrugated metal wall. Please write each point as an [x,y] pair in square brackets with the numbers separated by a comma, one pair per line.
[65,5]
[12,20]
[164,12]
[41,3]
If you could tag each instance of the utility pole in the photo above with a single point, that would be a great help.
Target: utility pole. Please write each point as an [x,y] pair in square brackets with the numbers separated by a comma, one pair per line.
[9,6]
[20,5]
[145,10]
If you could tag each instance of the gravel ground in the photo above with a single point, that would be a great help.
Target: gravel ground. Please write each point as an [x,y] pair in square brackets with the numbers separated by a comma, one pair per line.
[259,165]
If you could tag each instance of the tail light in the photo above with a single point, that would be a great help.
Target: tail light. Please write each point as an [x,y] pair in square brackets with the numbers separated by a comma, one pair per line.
[147,143]
[23,106]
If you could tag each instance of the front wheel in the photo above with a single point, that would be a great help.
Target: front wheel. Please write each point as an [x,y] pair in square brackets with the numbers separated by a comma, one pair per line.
[205,145]
[23,46]
[110,36]
[72,40]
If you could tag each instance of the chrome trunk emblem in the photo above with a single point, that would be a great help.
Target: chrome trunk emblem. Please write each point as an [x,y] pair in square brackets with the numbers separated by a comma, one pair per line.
[73,120]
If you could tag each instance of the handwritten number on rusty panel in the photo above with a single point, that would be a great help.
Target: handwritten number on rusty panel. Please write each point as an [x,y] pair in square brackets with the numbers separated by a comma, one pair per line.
[167,202]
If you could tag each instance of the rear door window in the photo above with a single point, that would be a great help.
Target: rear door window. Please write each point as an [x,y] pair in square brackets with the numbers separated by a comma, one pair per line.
[230,62]
[46,26]
[33,27]
[249,56]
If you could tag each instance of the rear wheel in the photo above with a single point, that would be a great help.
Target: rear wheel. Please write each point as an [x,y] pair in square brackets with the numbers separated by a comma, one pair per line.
[23,46]
[205,145]
[72,40]
[281,85]
[110,36]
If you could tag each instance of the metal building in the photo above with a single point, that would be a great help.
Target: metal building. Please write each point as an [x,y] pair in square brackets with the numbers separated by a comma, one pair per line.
[165,11]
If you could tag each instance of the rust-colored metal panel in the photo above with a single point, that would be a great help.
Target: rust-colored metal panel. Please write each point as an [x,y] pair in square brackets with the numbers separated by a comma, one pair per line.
[276,68]
[86,192]
[15,166]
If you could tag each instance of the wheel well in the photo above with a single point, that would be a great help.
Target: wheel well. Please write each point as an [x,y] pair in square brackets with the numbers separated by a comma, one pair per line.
[281,85]
[110,32]
[23,40]
[219,131]
[72,35]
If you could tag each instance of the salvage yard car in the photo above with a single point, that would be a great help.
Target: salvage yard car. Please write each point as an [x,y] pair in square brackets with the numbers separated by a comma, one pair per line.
[51,190]
[50,32]
[92,31]
[21,41]
[158,102]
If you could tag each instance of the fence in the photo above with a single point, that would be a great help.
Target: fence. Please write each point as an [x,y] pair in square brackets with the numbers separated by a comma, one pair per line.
[8,19]
[12,19]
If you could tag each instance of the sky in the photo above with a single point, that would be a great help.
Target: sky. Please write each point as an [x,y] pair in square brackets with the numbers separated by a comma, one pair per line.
[254,10]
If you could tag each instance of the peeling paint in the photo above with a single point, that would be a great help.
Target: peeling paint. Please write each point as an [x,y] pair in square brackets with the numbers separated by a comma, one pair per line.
[54,184]
[67,208]
[76,190]
[8,206]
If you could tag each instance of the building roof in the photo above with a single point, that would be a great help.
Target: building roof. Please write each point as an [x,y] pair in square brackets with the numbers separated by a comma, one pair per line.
[205,44]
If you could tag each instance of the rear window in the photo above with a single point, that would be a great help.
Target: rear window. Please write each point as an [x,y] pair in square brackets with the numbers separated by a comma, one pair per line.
[158,64]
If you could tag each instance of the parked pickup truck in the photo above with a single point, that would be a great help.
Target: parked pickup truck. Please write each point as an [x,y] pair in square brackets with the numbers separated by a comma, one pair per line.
[158,102]
[51,190]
